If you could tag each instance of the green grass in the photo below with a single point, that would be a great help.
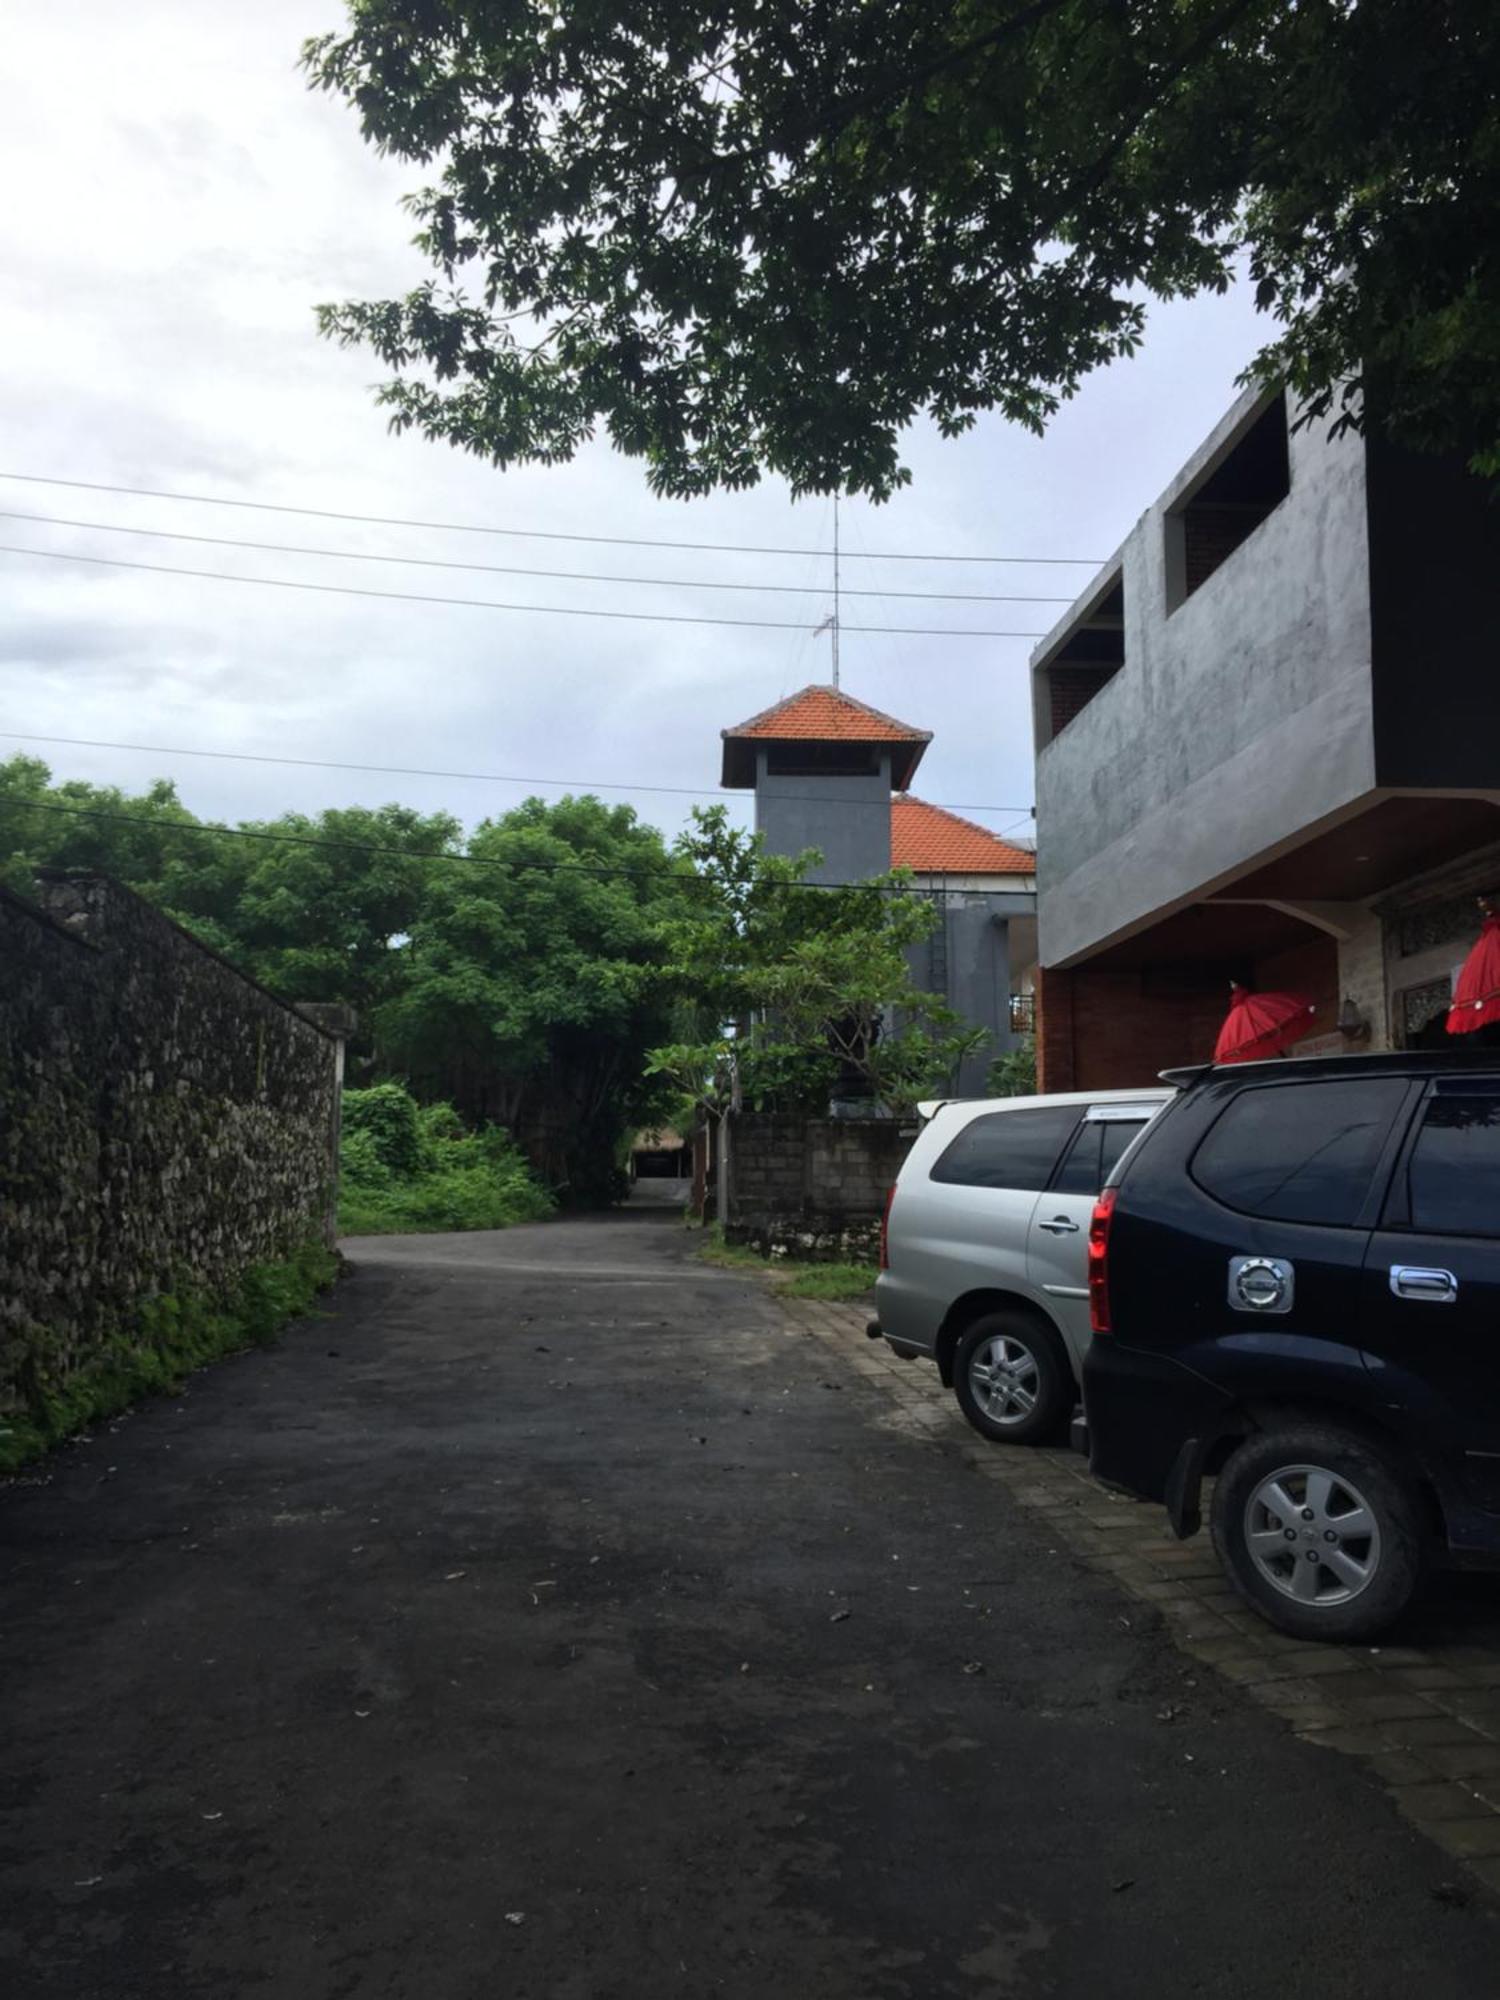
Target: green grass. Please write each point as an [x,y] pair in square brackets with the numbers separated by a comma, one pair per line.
[840,1282]
[171,1335]
[731,1256]
[797,1277]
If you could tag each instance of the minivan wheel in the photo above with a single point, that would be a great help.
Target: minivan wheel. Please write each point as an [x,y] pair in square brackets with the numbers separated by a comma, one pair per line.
[1319,1531]
[1011,1378]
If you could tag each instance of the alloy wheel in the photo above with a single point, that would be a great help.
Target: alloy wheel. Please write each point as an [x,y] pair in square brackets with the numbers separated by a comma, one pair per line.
[1312,1535]
[1004,1377]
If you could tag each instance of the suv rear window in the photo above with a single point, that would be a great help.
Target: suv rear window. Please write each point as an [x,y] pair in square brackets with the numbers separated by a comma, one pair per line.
[1454,1177]
[1300,1152]
[1008,1149]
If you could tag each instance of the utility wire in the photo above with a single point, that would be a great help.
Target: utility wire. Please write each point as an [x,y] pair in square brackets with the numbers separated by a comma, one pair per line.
[491,604]
[506,569]
[682,877]
[538,534]
[413,771]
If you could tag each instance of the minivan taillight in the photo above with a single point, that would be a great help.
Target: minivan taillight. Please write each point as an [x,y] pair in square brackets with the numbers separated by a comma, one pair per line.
[1104,1209]
[885,1231]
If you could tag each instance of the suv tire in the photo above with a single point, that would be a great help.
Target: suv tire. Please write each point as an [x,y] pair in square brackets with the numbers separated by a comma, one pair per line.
[1319,1530]
[1012,1378]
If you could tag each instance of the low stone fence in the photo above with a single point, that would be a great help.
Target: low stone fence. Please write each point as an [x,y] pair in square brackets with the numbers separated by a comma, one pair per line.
[812,1187]
[165,1126]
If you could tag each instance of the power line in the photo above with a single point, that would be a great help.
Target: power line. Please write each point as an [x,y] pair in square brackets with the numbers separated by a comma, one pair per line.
[537,534]
[415,771]
[507,569]
[491,604]
[682,878]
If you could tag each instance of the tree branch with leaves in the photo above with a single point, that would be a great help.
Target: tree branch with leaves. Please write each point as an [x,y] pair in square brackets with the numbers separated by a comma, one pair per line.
[768,235]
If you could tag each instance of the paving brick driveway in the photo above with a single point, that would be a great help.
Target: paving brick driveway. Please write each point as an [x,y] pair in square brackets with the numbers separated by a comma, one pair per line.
[1422,1712]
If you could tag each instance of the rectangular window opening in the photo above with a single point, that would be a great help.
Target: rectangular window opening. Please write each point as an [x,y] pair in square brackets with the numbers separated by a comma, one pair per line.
[823,760]
[1087,660]
[1228,504]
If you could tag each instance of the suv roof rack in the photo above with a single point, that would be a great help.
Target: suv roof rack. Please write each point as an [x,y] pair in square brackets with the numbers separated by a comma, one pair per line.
[1184,1079]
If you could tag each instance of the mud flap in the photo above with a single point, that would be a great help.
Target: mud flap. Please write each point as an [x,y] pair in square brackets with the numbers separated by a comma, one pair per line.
[1184,1490]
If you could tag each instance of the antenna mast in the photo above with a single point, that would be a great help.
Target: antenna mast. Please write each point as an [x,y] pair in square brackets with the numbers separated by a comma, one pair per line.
[835,625]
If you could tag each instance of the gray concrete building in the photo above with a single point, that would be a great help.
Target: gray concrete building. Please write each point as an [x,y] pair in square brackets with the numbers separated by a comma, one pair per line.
[831,773]
[1268,749]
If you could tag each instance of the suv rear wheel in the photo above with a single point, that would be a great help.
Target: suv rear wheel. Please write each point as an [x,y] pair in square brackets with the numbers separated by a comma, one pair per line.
[1319,1531]
[1011,1378]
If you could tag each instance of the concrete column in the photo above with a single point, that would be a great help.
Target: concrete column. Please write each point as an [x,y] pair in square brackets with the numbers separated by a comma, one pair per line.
[338,1022]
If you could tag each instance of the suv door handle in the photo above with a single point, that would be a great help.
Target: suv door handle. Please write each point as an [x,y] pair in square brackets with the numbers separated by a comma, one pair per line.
[1060,1225]
[1411,1281]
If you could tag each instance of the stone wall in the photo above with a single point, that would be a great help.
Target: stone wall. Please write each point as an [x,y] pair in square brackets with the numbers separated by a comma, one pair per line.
[165,1124]
[812,1187]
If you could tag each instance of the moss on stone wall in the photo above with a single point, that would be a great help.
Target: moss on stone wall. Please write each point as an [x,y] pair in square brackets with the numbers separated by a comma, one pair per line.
[166,1133]
[168,1336]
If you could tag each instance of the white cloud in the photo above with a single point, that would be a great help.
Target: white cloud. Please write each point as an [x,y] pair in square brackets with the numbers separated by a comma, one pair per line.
[180,204]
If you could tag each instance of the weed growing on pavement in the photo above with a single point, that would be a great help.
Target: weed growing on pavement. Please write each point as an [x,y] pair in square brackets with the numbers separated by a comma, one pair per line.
[840,1282]
[797,1278]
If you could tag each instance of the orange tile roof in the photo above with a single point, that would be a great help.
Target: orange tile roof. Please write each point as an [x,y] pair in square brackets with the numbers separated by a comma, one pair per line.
[934,842]
[831,717]
[827,715]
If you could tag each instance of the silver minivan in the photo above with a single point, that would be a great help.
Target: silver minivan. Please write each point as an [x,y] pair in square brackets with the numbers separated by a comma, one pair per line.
[985,1247]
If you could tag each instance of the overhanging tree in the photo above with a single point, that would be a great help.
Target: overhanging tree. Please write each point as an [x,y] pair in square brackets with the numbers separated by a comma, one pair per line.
[747,235]
[789,994]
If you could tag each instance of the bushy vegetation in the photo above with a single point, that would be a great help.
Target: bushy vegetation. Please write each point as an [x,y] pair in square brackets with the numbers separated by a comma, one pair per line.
[407,1167]
[1014,1073]
[174,1333]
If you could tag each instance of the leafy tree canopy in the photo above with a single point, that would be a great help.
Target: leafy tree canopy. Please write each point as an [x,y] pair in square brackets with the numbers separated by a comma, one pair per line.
[767,234]
[789,994]
[526,991]
[542,979]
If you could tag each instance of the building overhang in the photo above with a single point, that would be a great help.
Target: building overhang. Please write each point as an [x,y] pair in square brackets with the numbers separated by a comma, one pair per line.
[1282,895]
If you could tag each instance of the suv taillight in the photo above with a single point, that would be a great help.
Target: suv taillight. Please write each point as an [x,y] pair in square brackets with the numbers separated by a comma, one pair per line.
[1104,1209]
[885,1231]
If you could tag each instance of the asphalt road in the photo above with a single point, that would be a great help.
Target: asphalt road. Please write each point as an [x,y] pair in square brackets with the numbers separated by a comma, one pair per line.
[548,1621]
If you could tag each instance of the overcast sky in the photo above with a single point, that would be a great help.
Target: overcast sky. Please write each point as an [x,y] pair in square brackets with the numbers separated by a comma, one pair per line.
[178,203]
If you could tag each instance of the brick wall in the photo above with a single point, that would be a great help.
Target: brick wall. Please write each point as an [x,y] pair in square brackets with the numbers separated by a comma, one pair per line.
[813,1186]
[1070,689]
[1114,1031]
[1100,1030]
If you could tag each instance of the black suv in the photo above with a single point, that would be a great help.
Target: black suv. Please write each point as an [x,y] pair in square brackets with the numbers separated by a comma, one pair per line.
[1295,1285]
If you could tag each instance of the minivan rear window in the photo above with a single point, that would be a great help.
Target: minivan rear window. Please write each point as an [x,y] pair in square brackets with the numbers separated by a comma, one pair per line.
[1094,1154]
[1454,1177]
[1008,1149]
[1300,1152]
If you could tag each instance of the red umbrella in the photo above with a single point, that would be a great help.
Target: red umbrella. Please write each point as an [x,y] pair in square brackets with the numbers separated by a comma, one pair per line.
[1476,997]
[1261,1024]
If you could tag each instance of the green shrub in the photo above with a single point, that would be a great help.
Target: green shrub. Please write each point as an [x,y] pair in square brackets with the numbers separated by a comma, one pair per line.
[460,1179]
[1014,1073]
[172,1334]
[387,1117]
